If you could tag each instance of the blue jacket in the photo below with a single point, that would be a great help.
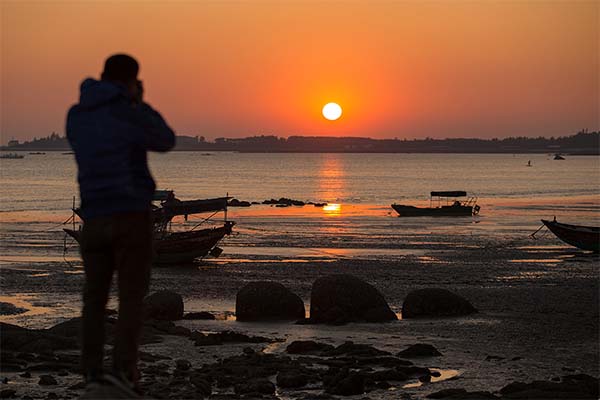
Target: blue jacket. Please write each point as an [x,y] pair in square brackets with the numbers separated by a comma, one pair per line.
[110,137]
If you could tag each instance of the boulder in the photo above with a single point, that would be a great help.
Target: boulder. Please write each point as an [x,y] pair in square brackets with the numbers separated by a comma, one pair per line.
[199,315]
[308,347]
[263,301]
[351,349]
[291,379]
[435,302]
[413,370]
[219,338]
[419,350]
[579,386]
[10,309]
[447,393]
[238,203]
[346,298]
[164,305]
[255,387]
[71,328]
[39,341]
[387,375]
[47,380]
[344,382]
[7,393]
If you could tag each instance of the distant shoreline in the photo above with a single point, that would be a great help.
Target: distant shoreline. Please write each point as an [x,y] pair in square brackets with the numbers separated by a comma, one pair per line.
[549,152]
[582,143]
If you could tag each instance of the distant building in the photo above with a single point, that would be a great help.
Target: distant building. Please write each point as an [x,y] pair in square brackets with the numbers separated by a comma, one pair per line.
[13,142]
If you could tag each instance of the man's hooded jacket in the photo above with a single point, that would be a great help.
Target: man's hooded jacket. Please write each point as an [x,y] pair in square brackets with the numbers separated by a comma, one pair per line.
[110,136]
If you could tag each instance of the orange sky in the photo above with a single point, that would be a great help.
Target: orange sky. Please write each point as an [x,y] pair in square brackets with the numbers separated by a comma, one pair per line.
[398,69]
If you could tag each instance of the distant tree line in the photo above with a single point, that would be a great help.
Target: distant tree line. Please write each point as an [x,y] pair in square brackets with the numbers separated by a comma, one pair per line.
[51,142]
[583,142]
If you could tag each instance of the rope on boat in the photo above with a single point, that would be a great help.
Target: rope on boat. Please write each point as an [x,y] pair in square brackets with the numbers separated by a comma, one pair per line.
[53,227]
[65,249]
[263,230]
[205,219]
[539,229]
[310,249]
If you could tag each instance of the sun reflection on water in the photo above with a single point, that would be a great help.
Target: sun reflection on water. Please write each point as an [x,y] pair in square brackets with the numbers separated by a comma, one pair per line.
[332,209]
[332,182]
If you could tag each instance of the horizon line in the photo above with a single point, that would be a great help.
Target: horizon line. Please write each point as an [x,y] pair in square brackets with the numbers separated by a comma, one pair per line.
[313,136]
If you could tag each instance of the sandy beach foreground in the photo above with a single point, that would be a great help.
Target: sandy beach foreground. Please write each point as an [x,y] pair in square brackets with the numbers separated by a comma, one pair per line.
[538,320]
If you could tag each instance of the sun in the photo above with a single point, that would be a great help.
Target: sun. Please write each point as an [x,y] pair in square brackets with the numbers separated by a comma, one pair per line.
[332,111]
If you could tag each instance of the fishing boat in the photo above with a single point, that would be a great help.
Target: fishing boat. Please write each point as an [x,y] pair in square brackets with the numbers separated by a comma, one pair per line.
[183,246]
[12,156]
[583,237]
[442,204]
[557,156]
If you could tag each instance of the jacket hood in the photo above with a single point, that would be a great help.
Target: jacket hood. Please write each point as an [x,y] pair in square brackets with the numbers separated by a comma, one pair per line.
[94,93]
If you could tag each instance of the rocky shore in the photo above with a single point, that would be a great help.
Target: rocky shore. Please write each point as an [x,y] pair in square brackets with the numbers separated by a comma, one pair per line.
[179,362]
[45,364]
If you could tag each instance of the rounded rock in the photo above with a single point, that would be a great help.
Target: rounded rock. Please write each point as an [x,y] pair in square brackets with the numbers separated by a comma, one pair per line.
[267,301]
[164,305]
[435,302]
[346,298]
[47,380]
[419,350]
[291,379]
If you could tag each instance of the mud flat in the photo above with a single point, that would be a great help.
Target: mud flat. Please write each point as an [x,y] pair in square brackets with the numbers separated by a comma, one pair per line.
[538,320]
[537,301]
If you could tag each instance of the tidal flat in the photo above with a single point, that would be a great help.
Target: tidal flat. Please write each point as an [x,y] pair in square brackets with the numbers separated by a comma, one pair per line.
[538,314]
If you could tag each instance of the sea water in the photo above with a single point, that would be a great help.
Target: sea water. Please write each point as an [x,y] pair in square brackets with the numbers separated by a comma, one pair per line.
[39,191]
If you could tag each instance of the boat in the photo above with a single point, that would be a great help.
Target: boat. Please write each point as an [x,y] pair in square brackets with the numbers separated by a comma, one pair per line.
[451,208]
[583,237]
[184,246]
[12,156]
[558,157]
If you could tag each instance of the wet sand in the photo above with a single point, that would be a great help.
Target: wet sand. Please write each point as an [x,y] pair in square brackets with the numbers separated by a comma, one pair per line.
[538,302]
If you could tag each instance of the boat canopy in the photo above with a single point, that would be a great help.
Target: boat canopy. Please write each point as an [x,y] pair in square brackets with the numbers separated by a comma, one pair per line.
[162,195]
[455,193]
[178,207]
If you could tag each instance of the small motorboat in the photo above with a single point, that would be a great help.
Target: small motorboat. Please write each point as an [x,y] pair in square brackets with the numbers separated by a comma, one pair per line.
[558,157]
[583,237]
[437,208]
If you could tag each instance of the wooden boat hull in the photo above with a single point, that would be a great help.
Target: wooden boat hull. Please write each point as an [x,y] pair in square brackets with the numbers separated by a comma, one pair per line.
[181,247]
[443,211]
[583,237]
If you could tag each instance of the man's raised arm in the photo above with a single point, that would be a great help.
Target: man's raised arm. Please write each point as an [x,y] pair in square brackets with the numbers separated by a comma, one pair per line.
[158,136]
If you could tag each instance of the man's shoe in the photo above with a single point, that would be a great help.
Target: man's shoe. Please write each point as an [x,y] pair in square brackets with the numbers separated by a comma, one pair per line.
[120,382]
[108,387]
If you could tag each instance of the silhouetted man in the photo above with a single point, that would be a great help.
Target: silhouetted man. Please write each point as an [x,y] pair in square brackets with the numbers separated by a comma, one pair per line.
[110,131]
